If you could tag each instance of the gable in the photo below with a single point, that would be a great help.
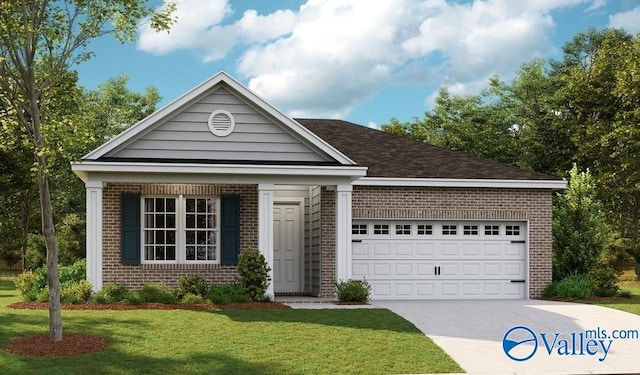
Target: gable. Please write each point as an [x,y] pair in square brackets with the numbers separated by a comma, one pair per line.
[186,136]
[181,132]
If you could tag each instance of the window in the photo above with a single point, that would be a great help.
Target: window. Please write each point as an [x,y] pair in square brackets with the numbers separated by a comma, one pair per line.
[180,230]
[381,229]
[160,229]
[359,229]
[491,230]
[425,229]
[512,230]
[449,230]
[403,229]
[200,229]
[470,230]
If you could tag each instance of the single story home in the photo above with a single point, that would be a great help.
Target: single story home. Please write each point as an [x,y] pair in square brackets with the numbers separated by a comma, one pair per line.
[220,170]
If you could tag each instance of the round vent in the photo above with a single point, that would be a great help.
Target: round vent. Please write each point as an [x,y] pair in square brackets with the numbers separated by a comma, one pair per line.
[221,123]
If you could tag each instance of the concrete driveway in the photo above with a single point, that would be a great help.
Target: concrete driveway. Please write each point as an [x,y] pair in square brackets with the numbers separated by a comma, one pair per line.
[472,333]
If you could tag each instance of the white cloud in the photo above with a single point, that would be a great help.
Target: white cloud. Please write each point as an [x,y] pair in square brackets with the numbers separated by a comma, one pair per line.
[328,56]
[629,21]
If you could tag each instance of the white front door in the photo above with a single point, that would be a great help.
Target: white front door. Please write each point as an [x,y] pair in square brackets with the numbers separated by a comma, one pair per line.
[287,248]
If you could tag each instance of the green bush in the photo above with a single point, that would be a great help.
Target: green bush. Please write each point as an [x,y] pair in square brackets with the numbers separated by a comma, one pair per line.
[353,291]
[192,284]
[79,292]
[222,294]
[625,293]
[72,273]
[42,295]
[155,293]
[24,284]
[253,273]
[112,293]
[133,299]
[192,299]
[603,281]
[571,287]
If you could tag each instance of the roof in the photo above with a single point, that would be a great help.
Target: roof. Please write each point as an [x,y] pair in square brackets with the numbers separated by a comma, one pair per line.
[393,156]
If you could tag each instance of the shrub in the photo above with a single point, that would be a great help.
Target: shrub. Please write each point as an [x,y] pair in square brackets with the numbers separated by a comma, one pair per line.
[79,292]
[353,290]
[73,273]
[253,273]
[192,299]
[42,295]
[24,283]
[625,293]
[133,299]
[603,281]
[192,284]
[222,294]
[155,293]
[571,287]
[112,293]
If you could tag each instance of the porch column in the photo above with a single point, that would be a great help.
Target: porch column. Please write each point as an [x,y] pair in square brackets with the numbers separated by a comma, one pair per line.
[265,228]
[94,233]
[343,232]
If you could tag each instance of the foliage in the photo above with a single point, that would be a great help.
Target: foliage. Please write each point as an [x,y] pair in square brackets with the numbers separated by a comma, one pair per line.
[625,293]
[192,299]
[569,288]
[353,290]
[580,232]
[78,292]
[222,294]
[603,281]
[253,273]
[71,238]
[24,284]
[112,293]
[155,293]
[615,255]
[192,284]
[35,251]
[33,284]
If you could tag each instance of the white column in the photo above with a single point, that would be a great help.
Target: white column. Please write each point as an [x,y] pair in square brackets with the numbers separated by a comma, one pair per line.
[94,233]
[343,232]
[265,228]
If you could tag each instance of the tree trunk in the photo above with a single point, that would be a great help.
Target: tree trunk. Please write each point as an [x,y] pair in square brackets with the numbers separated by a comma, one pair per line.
[48,230]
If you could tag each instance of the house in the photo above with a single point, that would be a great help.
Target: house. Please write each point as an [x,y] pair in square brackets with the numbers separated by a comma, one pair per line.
[219,170]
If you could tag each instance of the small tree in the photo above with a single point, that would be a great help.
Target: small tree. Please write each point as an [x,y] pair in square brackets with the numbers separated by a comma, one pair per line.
[580,232]
[253,273]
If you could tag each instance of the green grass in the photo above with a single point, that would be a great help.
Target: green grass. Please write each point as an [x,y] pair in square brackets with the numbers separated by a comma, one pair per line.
[631,305]
[228,342]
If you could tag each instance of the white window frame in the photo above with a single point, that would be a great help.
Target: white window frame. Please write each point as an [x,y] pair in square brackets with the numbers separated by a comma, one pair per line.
[181,228]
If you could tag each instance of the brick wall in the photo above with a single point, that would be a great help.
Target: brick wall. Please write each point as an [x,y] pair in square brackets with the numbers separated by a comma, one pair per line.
[134,276]
[532,205]
[328,243]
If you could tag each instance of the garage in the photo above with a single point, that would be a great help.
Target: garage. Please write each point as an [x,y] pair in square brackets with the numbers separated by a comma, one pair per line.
[441,259]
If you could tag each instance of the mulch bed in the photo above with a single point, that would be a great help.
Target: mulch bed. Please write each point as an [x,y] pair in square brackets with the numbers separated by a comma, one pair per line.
[73,345]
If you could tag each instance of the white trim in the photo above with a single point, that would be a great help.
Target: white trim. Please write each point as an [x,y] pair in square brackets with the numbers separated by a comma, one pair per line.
[203,89]
[84,168]
[265,229]
[94,233]
[462,183]
[343,224]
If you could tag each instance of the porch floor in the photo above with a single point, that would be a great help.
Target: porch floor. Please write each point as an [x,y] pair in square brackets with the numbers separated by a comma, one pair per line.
[304,299]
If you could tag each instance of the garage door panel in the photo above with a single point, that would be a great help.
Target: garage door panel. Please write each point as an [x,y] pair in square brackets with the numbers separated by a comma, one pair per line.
[437,266]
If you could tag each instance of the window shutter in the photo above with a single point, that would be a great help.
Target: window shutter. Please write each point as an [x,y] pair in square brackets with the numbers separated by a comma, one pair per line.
[230,229]
[130,228]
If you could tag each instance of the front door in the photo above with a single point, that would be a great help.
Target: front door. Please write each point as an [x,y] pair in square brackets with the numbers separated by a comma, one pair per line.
[287,248]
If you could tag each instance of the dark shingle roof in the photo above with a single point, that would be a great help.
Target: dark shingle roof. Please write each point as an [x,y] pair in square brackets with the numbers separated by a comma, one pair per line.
[388,155]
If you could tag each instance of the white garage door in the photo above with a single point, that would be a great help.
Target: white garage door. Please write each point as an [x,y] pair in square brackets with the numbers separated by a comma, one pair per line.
[441,260]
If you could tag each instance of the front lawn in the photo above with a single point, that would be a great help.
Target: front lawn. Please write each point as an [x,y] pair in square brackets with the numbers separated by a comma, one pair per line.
[227,342]
[632,304]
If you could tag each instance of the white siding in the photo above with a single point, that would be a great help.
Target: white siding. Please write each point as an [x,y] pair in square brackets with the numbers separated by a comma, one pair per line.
[187,136]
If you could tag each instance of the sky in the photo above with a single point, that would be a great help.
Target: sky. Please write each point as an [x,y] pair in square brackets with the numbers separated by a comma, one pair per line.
[364,61]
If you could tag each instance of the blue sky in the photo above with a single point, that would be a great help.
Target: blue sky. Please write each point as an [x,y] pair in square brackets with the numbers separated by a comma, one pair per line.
[363,61]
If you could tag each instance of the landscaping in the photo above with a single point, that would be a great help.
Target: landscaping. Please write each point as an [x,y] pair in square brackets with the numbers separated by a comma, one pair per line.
[226,341]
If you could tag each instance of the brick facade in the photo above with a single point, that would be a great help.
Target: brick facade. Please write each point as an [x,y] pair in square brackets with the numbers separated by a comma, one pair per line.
[531,205]
[134,276]
[328,241]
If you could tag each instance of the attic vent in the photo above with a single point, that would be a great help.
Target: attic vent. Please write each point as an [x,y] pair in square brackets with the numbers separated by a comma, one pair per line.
[221,123]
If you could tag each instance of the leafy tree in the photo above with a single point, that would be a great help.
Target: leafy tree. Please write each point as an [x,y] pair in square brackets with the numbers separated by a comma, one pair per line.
[580,232]
[39,42]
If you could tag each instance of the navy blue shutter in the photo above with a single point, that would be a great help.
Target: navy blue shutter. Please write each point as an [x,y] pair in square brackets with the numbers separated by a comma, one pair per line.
[230,229]
[130,229]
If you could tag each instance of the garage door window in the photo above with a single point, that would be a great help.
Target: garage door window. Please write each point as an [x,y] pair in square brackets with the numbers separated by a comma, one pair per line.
[381,229]
[470,230]
[449,230]
[512,230]
[403,229]
[359,229]
[491,230]
[425,229]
